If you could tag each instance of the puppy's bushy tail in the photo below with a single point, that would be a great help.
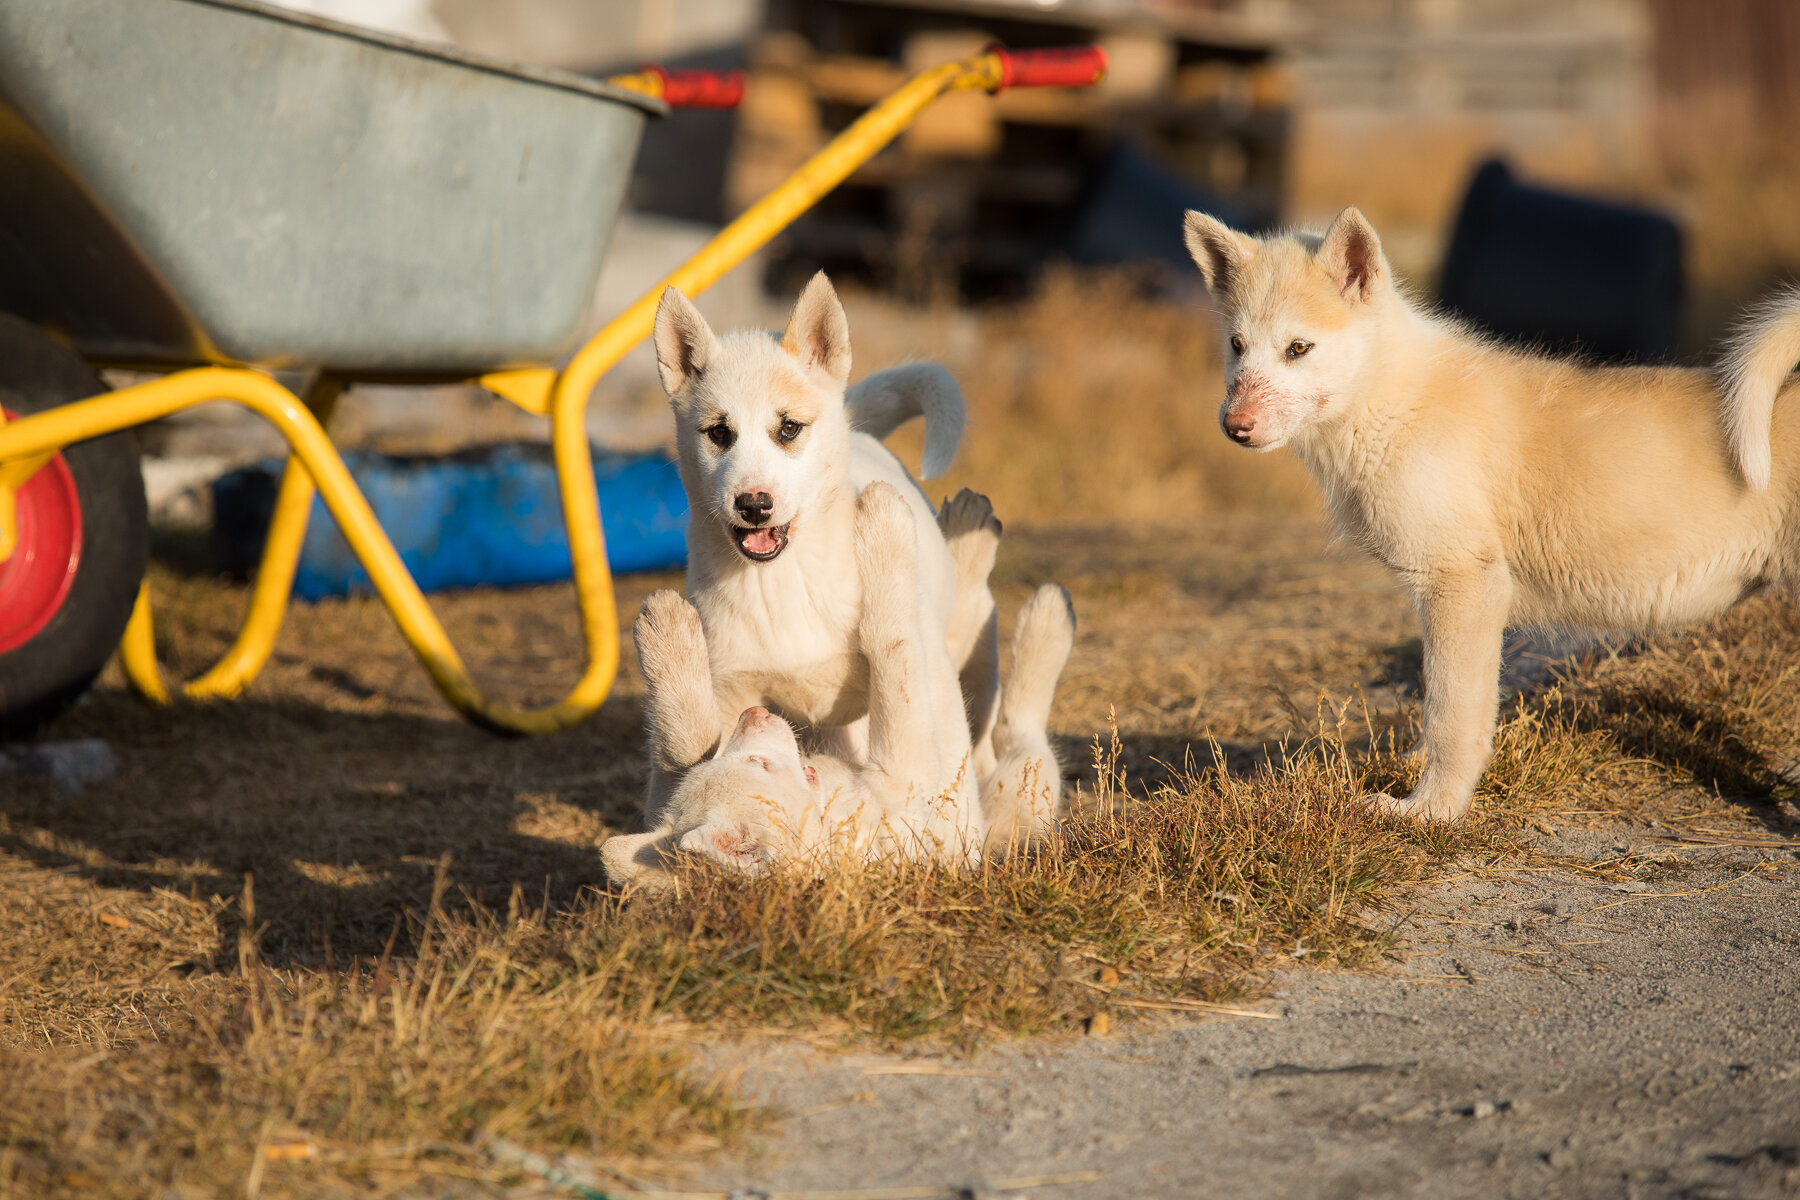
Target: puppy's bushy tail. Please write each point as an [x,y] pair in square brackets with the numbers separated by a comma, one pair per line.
[889,399]
[1757,360]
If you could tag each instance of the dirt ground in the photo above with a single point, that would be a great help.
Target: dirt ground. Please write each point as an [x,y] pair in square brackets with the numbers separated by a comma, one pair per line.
[1546,1035]
[1543,1033]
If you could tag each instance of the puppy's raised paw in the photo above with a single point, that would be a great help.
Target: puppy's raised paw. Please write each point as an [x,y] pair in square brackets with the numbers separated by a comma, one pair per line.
[968,512]
[669,637]
[884,526]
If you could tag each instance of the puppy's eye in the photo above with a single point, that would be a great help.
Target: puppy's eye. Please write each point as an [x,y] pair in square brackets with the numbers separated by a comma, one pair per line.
[788,432]
[1296,348]
[1237,343]
[721,435]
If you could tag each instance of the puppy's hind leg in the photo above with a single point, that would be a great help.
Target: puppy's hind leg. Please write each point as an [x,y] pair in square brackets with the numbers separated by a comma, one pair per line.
[1464,615]
[918,737]
[972,535]
[1024,795]
[680,710]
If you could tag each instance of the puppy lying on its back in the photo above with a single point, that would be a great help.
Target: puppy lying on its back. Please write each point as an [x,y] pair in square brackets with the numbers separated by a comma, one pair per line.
[758,801]
[1505,487]
[773,453]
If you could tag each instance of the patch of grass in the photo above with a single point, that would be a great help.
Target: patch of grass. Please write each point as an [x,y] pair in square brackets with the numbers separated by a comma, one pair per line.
[1184,894]
[1700,722]
[298,1082]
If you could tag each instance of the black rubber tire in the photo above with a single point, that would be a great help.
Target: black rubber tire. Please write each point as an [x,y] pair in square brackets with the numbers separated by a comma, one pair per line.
[44,676]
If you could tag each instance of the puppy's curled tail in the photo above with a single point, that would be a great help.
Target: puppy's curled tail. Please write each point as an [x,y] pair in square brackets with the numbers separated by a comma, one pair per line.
[1024,797]
[889,399]
[1757,360]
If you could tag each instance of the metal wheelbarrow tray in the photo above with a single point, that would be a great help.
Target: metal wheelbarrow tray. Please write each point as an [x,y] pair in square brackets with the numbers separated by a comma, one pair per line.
[215,181]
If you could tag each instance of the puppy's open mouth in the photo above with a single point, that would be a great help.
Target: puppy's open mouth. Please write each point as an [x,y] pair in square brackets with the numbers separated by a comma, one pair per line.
[760,544]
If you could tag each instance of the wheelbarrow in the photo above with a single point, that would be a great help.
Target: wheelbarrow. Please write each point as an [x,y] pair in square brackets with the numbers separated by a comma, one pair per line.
[220,190]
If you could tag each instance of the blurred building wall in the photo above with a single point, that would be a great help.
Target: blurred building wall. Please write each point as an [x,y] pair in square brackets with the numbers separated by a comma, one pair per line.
[590,34]
[1398,100]
[1727,79]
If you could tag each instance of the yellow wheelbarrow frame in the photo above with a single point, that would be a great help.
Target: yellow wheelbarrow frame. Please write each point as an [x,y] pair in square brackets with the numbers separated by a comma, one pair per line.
[314,463]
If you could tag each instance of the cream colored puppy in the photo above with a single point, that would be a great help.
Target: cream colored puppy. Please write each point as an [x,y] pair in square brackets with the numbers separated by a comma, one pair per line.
[758,801]
[1504,487]
[773,451]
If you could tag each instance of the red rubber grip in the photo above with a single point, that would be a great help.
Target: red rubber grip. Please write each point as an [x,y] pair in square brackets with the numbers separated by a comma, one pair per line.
[700,89]
[1057,66]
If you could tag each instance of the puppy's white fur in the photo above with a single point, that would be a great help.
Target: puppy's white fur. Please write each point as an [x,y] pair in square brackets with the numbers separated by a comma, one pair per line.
[757,801]
[754,415]
[1505,487]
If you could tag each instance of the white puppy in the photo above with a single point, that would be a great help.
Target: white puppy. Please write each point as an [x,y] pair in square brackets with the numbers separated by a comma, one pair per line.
[773,454]
[758,800]
[1505,487]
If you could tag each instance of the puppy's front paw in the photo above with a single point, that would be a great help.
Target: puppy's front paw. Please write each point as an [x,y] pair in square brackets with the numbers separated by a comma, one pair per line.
[1418,807]
[669,637]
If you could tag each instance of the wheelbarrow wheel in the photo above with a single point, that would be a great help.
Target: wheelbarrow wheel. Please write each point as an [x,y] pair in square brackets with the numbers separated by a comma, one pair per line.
[83,533]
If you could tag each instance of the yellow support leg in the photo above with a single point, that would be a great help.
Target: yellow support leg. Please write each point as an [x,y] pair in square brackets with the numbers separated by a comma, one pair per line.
[137,650]
[159,398]
[268,595]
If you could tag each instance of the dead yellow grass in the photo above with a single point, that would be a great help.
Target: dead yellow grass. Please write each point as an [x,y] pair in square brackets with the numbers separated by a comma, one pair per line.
[283,1081]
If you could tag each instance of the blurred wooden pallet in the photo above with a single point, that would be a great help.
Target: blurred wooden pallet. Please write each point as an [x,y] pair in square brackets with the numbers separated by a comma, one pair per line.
[981,190]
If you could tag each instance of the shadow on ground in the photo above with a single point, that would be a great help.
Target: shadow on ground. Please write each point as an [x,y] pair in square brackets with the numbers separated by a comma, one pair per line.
[341,818]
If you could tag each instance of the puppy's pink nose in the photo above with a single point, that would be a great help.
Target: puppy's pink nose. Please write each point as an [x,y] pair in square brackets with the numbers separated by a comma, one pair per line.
[753,718]
[1239,426]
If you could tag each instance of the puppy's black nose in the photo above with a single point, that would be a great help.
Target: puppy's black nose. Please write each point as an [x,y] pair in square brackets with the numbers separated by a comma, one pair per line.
[754,507]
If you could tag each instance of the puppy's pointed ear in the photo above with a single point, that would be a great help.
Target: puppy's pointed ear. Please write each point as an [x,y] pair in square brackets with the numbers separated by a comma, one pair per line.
[1351,254]
[818,334]
[684,341]
[1219,250]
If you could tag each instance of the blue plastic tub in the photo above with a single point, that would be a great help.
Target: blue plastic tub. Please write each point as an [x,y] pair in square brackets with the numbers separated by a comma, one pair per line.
[487,519]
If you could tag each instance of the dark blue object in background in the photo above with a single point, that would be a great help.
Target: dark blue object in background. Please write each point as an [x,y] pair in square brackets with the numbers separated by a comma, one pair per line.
[487,518]
[1134,210]
[1563,272]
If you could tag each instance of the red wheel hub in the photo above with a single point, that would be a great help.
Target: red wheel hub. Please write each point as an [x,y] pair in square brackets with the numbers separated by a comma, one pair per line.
[35,581]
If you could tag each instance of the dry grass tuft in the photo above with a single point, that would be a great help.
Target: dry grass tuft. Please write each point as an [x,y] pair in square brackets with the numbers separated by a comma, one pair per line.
[297,1081]
[1698,723]
[1184,893]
